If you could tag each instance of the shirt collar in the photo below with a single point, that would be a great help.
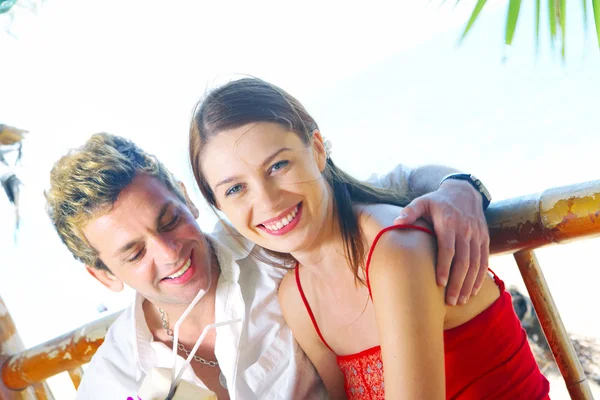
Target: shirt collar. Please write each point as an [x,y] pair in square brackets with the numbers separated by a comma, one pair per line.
[230,248]
[144,354]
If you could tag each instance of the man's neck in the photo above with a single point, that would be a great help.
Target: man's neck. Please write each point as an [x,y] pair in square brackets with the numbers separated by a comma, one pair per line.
[201,315]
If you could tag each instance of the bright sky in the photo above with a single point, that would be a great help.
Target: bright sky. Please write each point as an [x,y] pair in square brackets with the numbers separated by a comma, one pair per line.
[386,82]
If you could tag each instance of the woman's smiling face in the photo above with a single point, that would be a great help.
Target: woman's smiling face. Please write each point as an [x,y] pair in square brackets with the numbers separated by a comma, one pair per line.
[268,182]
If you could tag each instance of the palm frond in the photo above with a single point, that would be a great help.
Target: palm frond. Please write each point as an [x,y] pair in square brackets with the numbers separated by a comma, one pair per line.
[557,21]
[474,15]
[6,5]
[562,20]
[552,20]
[538,9]
[596,7]
[512,16]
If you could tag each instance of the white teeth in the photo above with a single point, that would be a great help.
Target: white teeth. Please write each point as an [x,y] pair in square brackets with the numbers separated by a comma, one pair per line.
[182,270]
[275,226]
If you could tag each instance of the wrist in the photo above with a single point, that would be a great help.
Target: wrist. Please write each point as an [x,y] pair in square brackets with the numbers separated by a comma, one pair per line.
[473,182]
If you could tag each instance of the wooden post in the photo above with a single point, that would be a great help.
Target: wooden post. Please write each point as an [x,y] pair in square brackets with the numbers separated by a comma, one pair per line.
[64,353]
[554,330]
[557,215]
[76,375]
[10,343]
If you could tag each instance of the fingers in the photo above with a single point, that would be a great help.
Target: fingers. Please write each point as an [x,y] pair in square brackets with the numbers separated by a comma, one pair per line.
[459,269]
[483,265]
[446,242]
[411,212]
[472,272]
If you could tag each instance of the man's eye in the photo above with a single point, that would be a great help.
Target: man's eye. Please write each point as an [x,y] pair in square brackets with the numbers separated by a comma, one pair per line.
[172,223]
[136,256]
[233,190]
[279,165]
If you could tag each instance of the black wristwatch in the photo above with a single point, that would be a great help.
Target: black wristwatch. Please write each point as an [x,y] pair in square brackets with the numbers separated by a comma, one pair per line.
[476,183]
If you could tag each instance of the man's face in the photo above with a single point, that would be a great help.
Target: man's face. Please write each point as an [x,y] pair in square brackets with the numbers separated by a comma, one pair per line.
[150,241]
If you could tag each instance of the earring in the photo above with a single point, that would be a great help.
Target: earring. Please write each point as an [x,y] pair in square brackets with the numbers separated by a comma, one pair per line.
[328,147]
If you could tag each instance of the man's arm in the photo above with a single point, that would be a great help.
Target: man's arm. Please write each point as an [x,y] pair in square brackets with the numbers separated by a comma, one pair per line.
[426,179]
[415,181]
[455,210]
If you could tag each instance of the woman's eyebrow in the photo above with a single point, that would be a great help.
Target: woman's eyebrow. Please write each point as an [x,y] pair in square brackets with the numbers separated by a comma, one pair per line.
[265,162]
[275,154]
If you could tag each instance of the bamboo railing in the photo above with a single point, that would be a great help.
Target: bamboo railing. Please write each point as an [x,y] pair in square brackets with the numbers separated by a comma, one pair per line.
[517,226]
[64,353]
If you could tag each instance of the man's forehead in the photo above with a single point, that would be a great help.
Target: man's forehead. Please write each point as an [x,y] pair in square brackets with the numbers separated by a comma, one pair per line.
[147,187]
[141,202]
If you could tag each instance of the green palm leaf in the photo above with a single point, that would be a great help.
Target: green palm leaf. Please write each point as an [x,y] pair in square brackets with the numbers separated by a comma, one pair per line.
[6,5]
[538,9]
[474,15]
[557,19]
[562,19]
[585,16]
[596,7]
[552,20]
[512,17]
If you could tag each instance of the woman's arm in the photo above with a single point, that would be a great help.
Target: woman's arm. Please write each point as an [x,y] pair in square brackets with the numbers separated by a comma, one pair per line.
[304,332]
[410,311]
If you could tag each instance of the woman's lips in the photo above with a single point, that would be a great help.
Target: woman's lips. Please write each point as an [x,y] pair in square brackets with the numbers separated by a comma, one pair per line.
[286,228]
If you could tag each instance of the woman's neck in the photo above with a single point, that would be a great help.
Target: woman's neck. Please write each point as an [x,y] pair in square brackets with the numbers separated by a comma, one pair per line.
[326,256]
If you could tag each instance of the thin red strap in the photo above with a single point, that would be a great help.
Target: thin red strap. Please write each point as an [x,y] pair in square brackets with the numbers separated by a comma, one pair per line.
[384,230]
[310,313]
[499,282]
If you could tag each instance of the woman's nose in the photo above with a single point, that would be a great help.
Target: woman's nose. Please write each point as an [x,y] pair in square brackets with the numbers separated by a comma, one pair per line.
[270,198]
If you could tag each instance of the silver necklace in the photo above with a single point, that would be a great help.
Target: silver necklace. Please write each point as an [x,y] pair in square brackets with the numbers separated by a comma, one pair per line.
[213,364]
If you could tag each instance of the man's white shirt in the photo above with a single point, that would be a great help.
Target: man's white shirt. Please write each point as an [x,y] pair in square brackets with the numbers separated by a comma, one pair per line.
[259,357]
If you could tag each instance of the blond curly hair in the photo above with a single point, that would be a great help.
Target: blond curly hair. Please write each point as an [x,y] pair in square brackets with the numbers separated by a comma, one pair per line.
[86,182]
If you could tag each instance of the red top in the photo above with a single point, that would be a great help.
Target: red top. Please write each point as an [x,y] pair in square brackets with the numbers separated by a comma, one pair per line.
[488,357]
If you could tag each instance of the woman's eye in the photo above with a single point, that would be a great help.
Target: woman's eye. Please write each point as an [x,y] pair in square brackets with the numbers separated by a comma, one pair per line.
[279,165]
[233,190]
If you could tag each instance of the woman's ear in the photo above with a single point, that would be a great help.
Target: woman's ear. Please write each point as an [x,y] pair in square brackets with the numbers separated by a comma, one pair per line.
[188,201]
[319,151]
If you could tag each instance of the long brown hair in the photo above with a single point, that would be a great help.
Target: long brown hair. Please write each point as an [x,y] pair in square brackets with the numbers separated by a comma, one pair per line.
[249,100]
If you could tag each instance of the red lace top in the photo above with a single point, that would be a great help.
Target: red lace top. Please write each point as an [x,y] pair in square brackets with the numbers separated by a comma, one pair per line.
[488,357]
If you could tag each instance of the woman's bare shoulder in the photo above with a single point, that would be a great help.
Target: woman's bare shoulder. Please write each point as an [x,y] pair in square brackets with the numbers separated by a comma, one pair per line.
[373,218]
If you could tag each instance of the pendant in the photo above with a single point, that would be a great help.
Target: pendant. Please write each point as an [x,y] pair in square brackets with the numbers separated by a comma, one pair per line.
[222,379]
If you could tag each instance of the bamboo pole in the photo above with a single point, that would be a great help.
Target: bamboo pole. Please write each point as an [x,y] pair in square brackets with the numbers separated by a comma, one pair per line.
[552,325]
[11,343]
[76,375]
[64,353]
[557,215]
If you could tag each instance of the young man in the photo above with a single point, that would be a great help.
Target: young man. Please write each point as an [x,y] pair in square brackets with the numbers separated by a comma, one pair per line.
[122,214]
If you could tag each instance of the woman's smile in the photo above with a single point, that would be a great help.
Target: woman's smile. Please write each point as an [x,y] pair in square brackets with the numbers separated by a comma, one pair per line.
[283,223]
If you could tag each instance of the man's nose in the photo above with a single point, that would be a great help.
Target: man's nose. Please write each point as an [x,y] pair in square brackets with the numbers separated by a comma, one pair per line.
[167,248]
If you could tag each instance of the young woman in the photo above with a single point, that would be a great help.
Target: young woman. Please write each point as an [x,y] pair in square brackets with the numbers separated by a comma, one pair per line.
[361,298]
